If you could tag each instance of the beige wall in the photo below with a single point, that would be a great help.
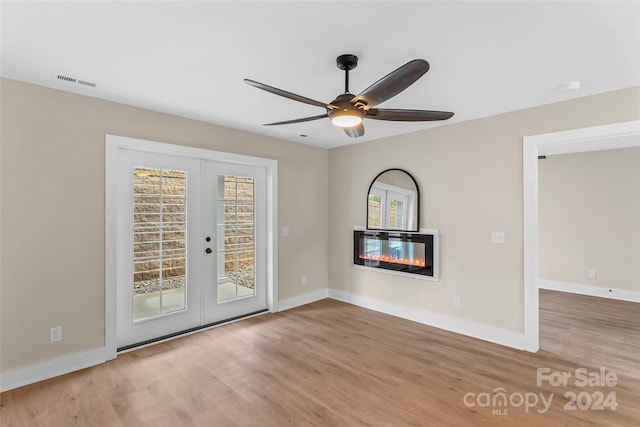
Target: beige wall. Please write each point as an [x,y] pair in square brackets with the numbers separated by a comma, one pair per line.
[470,178]
[52,190]
[589,218]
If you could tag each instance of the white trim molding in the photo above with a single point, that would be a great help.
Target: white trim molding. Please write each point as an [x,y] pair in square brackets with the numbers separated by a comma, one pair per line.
[606,137]
[590,290]
[51,368]
[459,326]
[597,138]
[303,299]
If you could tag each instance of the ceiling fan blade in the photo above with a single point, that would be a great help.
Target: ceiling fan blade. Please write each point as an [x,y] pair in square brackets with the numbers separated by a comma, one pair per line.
[407,115]
[285,94]
[305,119]
[393,83]
[355,131]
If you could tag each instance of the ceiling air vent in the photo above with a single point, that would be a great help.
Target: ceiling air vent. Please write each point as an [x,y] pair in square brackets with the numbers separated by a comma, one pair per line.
[73,80]
[85,83]
[66,78]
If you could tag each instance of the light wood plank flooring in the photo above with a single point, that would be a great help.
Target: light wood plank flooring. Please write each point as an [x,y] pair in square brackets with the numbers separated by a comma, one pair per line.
[334,364]
[591,331]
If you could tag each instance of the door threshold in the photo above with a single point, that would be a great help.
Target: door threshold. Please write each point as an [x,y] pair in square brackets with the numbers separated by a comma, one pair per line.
[136,346]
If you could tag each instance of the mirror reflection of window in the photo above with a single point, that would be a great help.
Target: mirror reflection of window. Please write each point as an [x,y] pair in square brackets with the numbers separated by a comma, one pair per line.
[390,208]
[374,209]
[396,249]
[392,202]
[372,248]
[397,218]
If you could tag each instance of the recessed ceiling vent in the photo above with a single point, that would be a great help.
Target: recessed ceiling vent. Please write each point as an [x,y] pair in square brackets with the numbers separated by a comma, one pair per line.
[85,83]
[66,78]
[73,80]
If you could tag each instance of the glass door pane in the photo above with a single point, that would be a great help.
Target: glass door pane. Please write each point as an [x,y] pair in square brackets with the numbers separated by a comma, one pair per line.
[235,206]
[159,242]
[159,205]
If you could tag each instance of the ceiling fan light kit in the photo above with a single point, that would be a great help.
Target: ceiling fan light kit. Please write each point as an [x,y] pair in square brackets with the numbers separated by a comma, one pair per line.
[346,118]
[348,111]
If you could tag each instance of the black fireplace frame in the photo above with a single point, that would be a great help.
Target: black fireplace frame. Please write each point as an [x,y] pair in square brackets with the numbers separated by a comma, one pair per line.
[429,239]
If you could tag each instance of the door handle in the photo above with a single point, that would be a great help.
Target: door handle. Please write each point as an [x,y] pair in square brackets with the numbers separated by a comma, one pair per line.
[208,250]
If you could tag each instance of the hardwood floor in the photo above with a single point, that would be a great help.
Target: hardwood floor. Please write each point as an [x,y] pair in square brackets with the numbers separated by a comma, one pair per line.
[334,364]
[591,331]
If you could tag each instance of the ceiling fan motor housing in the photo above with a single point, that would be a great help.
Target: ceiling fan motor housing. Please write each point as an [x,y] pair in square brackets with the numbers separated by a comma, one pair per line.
[342,106]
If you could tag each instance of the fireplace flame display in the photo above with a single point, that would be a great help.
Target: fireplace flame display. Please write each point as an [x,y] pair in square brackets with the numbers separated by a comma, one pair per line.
[418,262]
[405,252]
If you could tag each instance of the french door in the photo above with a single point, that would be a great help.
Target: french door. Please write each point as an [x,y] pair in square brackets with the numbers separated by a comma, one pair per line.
[190,244]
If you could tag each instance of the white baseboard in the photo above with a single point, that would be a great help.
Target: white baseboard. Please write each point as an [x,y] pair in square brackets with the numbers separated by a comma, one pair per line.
[63,365]
[74,362]
[51,368]
[302,299]
[460,326]
[594,291]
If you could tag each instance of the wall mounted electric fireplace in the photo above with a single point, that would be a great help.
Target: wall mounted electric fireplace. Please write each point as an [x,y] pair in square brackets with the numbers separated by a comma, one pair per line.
[397,252]
[392,240]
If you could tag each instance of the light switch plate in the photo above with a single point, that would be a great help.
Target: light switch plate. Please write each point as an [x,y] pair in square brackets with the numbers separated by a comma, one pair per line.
[55,334]
[497,237]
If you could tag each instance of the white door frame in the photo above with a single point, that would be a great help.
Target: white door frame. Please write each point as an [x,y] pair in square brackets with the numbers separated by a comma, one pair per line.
[607,137]
[114,143]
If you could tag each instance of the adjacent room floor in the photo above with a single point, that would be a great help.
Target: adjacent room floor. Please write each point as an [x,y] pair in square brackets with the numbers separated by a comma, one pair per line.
[335,364]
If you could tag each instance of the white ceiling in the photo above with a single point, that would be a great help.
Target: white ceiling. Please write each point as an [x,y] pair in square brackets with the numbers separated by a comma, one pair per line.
[190,58]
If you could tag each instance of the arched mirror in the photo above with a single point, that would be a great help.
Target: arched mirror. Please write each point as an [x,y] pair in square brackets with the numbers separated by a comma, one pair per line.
[393,202]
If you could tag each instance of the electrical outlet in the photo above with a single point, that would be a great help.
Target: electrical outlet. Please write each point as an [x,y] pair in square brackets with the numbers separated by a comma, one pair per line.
[593,274]
[456,301]
[304,281]
[55,334]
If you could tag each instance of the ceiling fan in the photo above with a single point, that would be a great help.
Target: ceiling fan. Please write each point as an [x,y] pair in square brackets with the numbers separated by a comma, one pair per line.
[348,110]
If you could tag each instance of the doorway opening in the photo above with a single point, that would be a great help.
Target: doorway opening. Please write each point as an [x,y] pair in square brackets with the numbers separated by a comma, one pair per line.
[618,135]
